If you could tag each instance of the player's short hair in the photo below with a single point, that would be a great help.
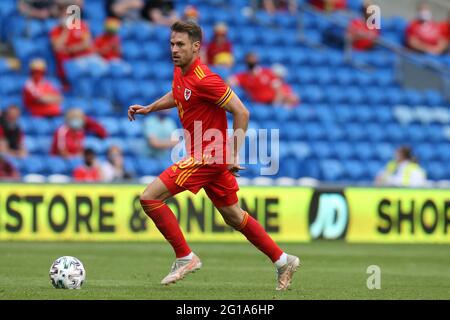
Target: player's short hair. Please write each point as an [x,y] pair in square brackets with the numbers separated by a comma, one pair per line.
[190,27]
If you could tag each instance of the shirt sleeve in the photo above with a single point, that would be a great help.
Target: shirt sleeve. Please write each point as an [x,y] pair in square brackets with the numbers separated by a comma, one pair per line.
[214,90]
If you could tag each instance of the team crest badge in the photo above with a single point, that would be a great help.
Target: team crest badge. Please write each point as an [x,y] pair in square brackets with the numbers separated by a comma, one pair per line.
[187,94]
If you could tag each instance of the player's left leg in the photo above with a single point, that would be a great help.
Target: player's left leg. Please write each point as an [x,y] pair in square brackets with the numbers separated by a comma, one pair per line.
[227,204]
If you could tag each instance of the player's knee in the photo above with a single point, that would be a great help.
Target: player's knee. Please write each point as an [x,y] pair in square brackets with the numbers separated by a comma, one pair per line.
[149,195]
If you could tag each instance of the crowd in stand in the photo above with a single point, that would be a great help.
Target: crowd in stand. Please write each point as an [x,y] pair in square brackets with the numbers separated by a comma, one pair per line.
[262,84]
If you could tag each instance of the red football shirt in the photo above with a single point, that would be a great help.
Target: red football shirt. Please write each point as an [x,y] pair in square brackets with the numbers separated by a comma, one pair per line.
[87,174]
[32,91]
[108,46]
[260,84]
[75,37]
[200,96]
[358,26]
[429,32]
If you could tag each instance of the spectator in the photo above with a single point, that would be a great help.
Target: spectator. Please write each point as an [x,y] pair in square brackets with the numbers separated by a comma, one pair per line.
[286,97]
[90,171]
[125,9]
[424,34]
[191,14]
[75,44]
[219,51]
[113,169]
[261,84]
[11,135]
[7,170]
[68,140]
[108,44]
[358,33]
[402,171]
[329,5]
[40,96]
[274,6]
[161,12]
[158,131]
[36,9]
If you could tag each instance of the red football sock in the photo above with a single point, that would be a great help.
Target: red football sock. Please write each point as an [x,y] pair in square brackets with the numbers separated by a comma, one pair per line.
[256,234]
[167,224]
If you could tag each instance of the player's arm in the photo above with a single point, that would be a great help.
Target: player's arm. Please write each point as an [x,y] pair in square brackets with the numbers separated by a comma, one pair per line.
[165,102]
[241,117]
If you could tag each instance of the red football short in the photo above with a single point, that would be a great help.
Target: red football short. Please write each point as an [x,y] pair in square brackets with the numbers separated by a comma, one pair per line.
[220,185]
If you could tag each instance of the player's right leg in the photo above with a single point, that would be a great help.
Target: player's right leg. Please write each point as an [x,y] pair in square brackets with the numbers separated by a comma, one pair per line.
[222,192]
[152,201]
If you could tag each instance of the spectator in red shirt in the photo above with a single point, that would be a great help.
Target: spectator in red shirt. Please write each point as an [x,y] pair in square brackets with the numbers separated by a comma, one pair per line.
[108,44]
[424,34]
[361,37]
[68,140]
[329,5]
[219,51]
[40,96]
[261,84]
[7,170]
[73,43]
[11,135]
[90,171]
[286,97]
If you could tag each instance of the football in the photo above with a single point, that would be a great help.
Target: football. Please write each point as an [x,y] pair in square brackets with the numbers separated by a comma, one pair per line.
[67,273]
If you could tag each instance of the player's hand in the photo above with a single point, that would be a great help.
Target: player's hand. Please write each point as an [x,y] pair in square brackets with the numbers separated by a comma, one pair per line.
[235,168]
[136,109]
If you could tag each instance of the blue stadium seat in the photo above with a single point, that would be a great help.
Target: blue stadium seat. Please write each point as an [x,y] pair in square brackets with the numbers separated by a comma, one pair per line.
[120,70]
[101,107]
[383,151]
[131,129]
[373,168]
[344,150]
[291,167]
[425,152]
[364,151]
[57,165]
[334,132]
[125,91]
[437,171]
[293,131]
[395,133]
[112,125]
[98,145]
[132,51]
[314,131]
[356,132]
[155,51]
[355,170]
[322,150]
[148,166]
[375,132]
[331,170]
[35,164]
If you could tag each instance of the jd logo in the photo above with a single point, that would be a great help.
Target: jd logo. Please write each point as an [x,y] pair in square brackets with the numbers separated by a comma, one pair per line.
[328,215]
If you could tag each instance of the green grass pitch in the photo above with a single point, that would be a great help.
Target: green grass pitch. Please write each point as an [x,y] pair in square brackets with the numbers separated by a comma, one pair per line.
[133,270]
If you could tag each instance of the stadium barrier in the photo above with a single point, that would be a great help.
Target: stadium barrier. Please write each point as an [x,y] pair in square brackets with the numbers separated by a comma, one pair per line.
[102,212]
